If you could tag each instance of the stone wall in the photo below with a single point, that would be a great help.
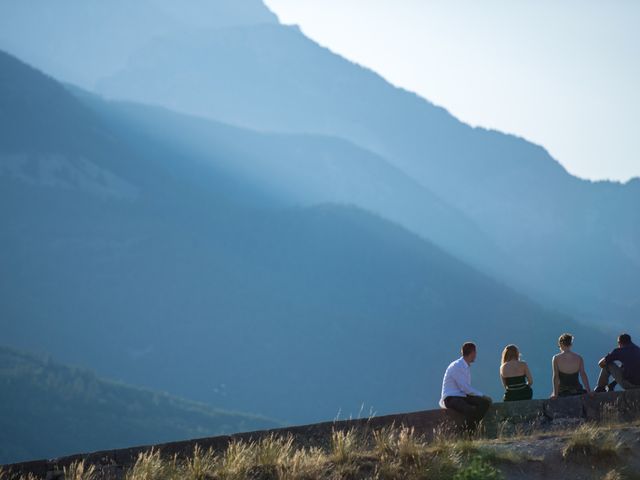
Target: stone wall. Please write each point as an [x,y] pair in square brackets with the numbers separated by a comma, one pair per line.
[503,418]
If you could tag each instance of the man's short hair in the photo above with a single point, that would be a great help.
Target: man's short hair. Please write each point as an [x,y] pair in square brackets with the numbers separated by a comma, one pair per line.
[468,348]
[624,339]
[565,340]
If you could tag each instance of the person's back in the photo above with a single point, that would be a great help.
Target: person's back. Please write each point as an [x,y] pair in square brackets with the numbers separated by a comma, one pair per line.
[568,367]
[628,375]
[515,375]
[631,363]
[568,362]
[513,368]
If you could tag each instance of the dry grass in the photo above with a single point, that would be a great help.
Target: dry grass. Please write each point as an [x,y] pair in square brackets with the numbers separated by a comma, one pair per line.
[592,442]
[384,454]
[201,466]
[151,466]
[461,451]
[79,471]
[401,443]
[305,464]
[400,453]
[344,446]
[613,475]
[624,473]
[389,453]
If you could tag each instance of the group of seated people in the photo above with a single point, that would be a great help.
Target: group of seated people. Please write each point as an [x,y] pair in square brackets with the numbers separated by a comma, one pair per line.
[622,364]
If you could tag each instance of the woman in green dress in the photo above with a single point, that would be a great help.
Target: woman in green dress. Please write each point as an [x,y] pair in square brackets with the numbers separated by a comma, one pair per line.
[515,375]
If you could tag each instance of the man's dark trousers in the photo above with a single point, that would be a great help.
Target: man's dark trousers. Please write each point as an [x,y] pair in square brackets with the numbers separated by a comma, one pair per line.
[613,370]
[472,407]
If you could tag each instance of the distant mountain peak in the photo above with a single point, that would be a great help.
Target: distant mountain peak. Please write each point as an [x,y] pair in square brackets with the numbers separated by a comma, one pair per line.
[219,12]
[55,27]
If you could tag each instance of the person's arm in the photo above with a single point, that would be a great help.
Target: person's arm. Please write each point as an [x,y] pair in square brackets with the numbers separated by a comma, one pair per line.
[527,372]
[445,381]
[583,374]
[504,382]
[609,358]
[555,378]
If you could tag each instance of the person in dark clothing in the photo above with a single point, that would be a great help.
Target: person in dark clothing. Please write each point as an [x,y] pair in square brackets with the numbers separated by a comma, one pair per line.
[567,367]
[627,375]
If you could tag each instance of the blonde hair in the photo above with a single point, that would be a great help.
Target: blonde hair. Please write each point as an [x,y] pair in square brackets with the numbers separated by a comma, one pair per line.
[509,353]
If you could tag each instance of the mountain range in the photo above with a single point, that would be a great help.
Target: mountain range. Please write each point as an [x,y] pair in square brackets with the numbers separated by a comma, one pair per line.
[126,254]
[211,204]
[44,400]
[572,243]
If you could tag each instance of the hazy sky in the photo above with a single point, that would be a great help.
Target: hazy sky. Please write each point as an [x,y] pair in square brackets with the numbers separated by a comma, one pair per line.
[562,73]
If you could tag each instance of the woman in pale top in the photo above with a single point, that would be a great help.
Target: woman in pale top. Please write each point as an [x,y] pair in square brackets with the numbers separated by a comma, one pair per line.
[568,367]
[515,375]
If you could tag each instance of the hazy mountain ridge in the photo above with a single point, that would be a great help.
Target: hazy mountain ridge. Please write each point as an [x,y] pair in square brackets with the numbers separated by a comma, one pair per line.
[306,169]
[62,172]
[203,281]
[206,286]
[273,78]
[101,52]
[44,400]
[573,243]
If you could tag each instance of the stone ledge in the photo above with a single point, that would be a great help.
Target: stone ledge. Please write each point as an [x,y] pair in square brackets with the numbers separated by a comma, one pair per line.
[502,416]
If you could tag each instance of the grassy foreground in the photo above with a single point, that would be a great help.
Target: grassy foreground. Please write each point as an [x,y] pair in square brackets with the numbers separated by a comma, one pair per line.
[390,453]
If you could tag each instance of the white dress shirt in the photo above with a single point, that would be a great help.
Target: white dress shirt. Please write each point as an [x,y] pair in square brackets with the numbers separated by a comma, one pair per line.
[457,381]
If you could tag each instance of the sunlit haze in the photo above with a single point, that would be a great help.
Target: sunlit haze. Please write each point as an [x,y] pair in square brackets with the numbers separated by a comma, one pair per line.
[564,75]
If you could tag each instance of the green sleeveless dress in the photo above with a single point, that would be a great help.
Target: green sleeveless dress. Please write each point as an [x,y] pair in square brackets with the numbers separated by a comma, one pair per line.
[517,388]
[570,384]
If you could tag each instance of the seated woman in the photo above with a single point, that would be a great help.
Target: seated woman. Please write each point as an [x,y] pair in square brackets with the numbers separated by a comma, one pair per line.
[515,375]
[567,368]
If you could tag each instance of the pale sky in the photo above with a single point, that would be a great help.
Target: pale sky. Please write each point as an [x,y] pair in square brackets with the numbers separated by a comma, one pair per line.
[564,74]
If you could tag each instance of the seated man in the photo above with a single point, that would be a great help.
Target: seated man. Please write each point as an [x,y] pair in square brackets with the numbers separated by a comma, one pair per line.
[628,375]
[457,392]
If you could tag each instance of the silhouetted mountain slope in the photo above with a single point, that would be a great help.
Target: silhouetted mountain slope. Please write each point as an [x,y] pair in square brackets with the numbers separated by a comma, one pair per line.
[306,170]
[198,285]
[48,409]
[576,241]
[42,122]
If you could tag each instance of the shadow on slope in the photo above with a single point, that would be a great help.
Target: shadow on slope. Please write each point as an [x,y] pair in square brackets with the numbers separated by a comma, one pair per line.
[200,284]
[50,409]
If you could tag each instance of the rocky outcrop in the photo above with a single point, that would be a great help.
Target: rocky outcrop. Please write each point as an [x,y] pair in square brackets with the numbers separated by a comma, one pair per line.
[503,418]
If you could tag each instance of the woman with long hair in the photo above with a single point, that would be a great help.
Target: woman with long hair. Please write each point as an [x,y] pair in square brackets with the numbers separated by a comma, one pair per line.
[515,375]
